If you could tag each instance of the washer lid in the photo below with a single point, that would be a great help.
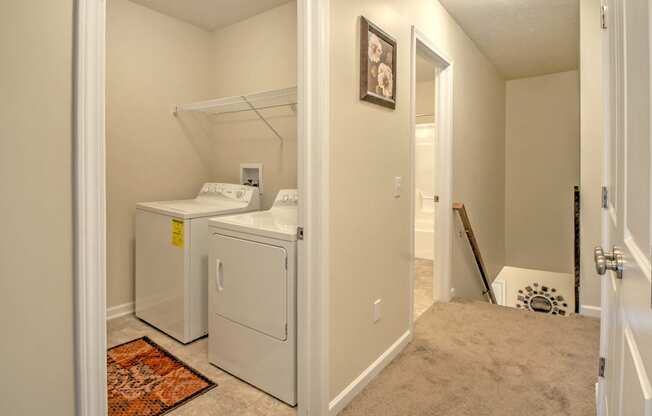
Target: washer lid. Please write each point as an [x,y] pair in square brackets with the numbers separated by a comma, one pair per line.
[279,222]
[195,208]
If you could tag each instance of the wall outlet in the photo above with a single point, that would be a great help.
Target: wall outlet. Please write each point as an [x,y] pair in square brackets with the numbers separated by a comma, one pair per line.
[398,182]
[377,310]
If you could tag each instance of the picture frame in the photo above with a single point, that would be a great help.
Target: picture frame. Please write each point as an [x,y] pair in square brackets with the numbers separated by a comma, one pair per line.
[377,65]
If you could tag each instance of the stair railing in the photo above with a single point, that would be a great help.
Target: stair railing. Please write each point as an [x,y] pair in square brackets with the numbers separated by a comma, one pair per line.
[464,216]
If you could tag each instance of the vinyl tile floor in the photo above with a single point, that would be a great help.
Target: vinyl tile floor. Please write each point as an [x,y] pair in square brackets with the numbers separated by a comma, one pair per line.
[231,397]
[422,286]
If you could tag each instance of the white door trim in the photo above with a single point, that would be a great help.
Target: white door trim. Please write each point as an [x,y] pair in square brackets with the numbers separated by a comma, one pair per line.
[444,165]
[90,207]
[313,179]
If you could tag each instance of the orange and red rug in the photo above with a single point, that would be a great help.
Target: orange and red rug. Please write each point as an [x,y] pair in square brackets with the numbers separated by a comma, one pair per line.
[145,380]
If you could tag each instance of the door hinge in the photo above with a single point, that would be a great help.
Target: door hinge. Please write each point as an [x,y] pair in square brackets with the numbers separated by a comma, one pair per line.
[300,233]
[603,17]
[605,197]
[602,367]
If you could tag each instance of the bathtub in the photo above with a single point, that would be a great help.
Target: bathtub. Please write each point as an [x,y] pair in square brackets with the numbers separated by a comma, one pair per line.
[425,189]
[424,239]
[424,226]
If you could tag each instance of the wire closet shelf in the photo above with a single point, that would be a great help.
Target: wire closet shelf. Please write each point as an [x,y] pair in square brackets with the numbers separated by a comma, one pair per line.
[256,102]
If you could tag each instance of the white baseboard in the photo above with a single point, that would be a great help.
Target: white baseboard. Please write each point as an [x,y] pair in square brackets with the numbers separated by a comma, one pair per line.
[353,389]
[592,311]
[119,311]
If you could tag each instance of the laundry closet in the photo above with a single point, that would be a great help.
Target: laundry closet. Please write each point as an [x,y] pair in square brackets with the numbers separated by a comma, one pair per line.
[202,200]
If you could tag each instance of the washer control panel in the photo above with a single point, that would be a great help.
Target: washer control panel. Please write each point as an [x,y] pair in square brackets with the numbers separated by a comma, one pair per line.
[227,190]
[287,197]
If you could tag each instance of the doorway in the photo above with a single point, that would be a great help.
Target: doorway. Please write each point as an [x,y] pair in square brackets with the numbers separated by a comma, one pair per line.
[425,181]
[90,207]
[431,174]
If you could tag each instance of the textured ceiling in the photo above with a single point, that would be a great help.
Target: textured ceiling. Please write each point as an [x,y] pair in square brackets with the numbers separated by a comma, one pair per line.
[211,14]
[523,38]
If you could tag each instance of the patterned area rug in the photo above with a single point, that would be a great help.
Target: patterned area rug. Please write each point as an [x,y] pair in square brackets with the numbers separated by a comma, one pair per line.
[146,380]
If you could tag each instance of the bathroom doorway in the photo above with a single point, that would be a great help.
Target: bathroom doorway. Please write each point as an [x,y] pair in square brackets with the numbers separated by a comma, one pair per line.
[431,184]
[425,183]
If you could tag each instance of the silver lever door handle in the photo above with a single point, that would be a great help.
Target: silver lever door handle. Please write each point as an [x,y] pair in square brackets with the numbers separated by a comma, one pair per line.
[609,261]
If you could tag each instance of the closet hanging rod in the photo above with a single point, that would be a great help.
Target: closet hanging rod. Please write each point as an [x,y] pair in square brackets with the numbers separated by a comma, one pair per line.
[246,110]
[280,97]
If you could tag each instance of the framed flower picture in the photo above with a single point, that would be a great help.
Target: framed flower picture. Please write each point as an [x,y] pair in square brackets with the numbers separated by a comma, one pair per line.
[377,65]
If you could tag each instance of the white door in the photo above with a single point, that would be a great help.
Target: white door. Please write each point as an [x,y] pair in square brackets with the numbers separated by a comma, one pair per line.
[626,332]
[249,284]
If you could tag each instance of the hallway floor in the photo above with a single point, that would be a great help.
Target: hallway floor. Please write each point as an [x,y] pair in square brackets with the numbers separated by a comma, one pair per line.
[475,359]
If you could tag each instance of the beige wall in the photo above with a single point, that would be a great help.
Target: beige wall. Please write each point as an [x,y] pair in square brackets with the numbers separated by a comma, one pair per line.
[153,62]
[543,166]
[255,55]
[425,101]
[591,146]
[36,282]
[370,145]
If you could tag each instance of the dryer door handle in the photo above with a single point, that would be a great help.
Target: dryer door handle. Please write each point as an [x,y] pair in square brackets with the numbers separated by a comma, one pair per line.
[219,279]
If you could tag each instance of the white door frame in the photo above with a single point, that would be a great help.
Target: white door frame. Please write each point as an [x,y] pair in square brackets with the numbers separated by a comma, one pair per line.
[314,184]
[90,207]
[443,234]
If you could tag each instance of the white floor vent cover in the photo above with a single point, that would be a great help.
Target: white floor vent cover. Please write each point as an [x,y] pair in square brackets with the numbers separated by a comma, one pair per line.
[542,299]
[536,290]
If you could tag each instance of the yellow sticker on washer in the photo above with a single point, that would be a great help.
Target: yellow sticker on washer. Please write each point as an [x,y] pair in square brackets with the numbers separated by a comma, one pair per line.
[177,233]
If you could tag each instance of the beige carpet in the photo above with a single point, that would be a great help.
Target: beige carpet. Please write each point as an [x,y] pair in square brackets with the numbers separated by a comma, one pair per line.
[475,359]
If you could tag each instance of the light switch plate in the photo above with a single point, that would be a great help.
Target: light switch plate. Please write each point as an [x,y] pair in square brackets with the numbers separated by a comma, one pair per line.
[377,310]
[398,182]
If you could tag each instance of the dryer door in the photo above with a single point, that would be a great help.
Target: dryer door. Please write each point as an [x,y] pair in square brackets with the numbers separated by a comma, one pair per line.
[248,284]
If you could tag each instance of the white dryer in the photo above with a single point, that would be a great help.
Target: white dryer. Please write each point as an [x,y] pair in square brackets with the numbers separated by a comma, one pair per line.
[172,257]
[252,296]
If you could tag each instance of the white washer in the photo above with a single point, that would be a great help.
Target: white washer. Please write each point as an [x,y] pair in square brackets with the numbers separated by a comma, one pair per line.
[252,296]
[172,257]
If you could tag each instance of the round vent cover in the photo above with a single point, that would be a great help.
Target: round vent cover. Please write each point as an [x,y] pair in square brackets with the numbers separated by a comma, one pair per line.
[541,299]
